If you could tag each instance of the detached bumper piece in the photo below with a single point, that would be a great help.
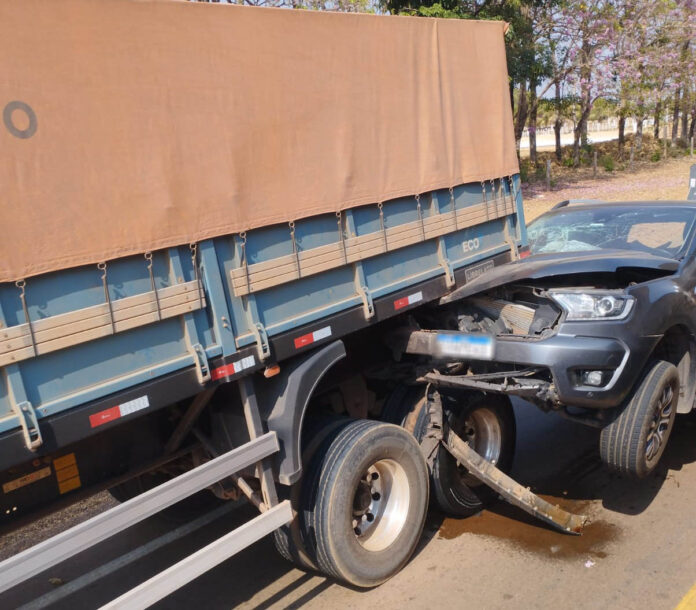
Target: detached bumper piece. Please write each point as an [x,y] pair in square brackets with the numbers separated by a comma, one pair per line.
[513,383]
[512,491]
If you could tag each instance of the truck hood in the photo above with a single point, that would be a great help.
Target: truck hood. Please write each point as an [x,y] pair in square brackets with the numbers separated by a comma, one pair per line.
[566,263]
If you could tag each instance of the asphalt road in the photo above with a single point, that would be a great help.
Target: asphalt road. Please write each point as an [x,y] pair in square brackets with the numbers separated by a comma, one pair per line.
[639,551]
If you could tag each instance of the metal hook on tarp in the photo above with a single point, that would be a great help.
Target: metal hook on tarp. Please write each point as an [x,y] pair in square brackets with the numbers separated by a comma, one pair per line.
[243,237]
[454,208]
[295,250]
[492,181]
[21,284]
[380,207]
[194,261]
[485,198]
[420,216]
[107,296]
[339,220]
[153,286]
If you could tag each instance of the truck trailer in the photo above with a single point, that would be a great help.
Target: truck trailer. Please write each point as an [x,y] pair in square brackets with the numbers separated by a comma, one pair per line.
[216,219]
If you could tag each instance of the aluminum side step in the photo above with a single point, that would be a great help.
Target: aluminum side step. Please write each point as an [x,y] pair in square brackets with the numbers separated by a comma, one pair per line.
[42,556]
[175,577]
[511,490]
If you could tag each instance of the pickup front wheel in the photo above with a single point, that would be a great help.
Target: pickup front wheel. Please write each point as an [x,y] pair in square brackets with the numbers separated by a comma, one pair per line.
[634,442]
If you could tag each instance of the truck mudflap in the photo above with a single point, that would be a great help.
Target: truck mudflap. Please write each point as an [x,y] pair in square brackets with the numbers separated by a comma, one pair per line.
[511,490]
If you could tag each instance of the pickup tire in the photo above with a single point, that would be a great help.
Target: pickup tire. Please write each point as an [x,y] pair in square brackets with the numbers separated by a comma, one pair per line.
[635,441]
[490,422]
[364,502]
[487,423]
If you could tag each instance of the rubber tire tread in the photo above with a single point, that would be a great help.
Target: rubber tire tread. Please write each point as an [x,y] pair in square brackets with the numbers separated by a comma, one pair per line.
[325,473]
[464,500]
[284,538]
[620,444]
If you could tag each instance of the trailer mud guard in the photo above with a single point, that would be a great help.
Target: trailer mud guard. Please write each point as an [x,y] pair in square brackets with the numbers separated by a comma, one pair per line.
[283,400]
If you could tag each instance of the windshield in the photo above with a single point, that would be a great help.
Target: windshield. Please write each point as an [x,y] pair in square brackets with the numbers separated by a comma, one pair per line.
[661,231]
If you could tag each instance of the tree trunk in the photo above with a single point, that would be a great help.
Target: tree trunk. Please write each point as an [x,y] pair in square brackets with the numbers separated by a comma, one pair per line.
[622,130]
[686,103]
[558,124]
[639,134]
[521,115]
[675,117]
[580,134]
[532,124]
[658,116]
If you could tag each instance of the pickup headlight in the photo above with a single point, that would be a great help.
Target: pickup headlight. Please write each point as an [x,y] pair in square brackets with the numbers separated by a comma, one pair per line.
[593,305]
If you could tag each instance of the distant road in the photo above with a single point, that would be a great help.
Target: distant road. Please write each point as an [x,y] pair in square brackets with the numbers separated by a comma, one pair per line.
[547,141]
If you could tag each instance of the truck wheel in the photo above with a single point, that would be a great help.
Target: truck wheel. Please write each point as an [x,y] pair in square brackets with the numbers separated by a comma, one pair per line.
[288,539]
[365,502]
[487,423]
[634,442]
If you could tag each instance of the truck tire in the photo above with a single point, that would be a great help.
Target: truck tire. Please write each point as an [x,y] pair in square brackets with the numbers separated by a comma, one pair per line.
[635,441]
[487,423]
[288,539]
[364,502]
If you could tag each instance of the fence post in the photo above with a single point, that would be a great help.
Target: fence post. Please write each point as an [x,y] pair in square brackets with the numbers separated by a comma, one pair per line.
[664,143]
[548,174]
[594,164]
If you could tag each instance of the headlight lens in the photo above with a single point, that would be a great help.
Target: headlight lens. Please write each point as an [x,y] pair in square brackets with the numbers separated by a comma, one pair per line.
[593,306]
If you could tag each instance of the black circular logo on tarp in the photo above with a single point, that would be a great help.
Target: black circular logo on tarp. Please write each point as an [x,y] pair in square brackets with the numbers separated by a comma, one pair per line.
[8,118]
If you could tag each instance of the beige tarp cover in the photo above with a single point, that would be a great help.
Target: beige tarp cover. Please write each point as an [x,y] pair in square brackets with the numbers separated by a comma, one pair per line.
[129,126]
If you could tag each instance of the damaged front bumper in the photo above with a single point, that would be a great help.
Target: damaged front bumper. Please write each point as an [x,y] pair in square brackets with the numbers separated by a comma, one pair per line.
[551,372]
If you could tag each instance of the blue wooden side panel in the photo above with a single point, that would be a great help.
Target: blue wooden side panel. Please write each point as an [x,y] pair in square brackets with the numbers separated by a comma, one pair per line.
[67,378]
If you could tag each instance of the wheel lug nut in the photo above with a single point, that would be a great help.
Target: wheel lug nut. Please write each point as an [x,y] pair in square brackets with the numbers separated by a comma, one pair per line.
[376,496]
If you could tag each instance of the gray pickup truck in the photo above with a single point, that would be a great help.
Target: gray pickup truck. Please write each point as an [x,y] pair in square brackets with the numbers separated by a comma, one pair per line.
[597,322]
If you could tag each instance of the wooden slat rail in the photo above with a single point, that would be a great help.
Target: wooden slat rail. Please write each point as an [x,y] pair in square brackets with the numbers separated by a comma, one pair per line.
[282,269]
[82,325]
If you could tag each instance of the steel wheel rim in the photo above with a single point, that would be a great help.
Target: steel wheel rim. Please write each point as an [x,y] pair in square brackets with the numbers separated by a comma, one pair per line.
[380,505]
[659,425]
[482,431]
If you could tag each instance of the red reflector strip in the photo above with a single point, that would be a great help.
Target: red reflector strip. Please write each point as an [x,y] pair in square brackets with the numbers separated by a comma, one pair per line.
[104,417]
[232,369]
[416,297]
[524,252]
[310,338]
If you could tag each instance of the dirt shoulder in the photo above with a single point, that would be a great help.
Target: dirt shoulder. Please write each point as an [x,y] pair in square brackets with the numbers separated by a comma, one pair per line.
[666,180]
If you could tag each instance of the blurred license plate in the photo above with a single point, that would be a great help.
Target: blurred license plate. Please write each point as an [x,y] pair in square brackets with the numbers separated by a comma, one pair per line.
[476,347]
[472,273]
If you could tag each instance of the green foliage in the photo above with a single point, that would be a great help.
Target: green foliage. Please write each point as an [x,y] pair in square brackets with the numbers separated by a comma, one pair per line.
[656,156]
[524,170]
[607,162]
